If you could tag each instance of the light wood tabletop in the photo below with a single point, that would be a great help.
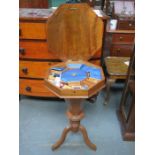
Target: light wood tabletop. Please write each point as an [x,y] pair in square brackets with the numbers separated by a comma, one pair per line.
[117,66]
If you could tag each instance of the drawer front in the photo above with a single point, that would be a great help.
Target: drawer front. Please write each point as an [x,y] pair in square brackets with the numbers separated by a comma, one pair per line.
[123,38]
[34,50]
[121,50]
[32,30]
[34,69]
[34,88]
[126,25]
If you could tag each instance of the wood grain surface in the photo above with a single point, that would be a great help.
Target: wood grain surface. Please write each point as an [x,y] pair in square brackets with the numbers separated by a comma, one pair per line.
[74,32]
[33,87]
[39,50]
[35,50]
[122,38]
[35,69]
[30,30]
[116,66]
[121,50]
[33,3]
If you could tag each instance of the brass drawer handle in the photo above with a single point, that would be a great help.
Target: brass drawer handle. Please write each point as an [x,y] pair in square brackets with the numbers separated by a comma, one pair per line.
[22,51]
[28,88]
[118,50]
[25,70]
[120,38]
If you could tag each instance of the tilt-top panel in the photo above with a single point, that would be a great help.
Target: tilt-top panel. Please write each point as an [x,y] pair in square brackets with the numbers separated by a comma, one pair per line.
[74,32]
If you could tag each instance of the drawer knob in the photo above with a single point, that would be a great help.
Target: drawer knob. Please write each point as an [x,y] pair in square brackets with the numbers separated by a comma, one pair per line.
[118,50]
[130,24]
[120,38]
[28,88]
[25,70]
[22,51]
[49,63]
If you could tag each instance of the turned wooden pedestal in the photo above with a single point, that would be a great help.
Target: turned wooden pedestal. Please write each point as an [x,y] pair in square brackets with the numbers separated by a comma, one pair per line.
[75,114]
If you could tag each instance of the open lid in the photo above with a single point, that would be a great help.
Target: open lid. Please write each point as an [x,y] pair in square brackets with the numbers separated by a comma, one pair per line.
[74,32]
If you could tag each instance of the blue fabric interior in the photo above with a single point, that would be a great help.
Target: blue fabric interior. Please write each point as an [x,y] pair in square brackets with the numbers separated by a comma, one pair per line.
[94,72]
[79,73]
[73,75]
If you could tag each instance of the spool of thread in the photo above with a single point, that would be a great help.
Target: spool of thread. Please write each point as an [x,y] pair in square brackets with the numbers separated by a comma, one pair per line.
[88,74]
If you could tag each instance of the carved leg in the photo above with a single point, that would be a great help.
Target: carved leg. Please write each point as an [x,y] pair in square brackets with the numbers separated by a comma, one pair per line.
[86,138]
[109,82]
[62,138]
[74,114]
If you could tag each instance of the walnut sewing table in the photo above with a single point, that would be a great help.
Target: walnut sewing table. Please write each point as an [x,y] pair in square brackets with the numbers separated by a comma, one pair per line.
[75,34]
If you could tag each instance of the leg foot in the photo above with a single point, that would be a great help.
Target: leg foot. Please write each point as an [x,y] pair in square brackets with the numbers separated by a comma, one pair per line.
[62,138]
[86,138]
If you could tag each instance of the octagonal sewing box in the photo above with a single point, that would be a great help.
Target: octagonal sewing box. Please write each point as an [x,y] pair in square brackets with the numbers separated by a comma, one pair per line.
[74,34]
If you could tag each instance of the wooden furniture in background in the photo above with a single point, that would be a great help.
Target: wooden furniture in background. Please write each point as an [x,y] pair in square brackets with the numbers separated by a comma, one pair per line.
[119,42]
[69,31]
[125,23]
[120,28]
[33,4]
[35,59]
[116,70]
[126,111]
[34,56]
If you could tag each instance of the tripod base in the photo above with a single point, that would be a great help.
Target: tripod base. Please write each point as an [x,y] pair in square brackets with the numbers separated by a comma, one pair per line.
[74,114]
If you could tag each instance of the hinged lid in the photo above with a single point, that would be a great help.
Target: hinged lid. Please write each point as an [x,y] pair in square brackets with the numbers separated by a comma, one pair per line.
[74,32]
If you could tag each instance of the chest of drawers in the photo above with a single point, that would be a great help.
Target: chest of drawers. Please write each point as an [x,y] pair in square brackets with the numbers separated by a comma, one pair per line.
[120,42]
[34,58]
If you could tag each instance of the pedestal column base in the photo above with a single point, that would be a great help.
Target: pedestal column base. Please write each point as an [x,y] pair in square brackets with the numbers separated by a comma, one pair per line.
[74,114]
